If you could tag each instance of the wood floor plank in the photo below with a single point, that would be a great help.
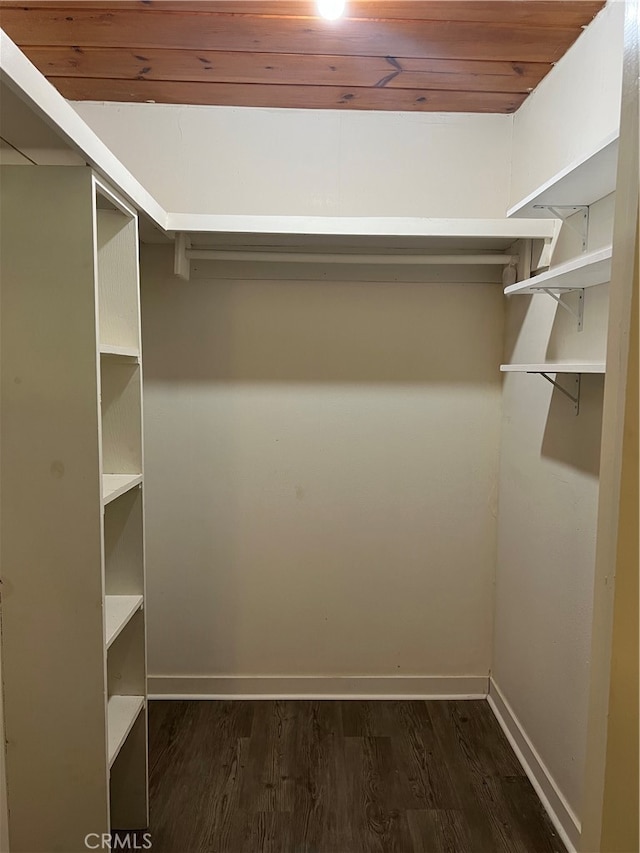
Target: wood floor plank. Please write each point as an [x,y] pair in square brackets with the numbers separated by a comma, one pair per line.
[264,832]
[486,741]
[268,784]
[202,759]
[316,776]
[417,751]
[440,830]
[533,823]
[469,778]
[317,755]
[377,827]
[357,718]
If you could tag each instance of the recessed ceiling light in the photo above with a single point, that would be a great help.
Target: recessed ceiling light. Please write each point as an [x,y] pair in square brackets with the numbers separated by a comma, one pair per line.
[331,9]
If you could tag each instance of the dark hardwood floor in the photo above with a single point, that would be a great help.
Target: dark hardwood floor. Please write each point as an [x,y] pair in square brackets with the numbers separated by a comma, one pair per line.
[339,777]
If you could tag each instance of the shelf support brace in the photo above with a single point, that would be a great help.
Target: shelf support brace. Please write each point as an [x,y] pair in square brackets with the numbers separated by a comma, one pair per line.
[181,262]
[579,314]
[575,399]
[564,212]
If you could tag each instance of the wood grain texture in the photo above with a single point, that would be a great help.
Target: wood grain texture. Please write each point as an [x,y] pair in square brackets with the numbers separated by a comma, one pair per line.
[540,13]
[277,34]
[281,54]
[313,97]
[356,776]
[208,66]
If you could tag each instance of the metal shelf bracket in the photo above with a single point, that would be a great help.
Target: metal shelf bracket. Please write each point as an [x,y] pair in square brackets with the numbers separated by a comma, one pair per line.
[579,313]
[575,397]
[564,212]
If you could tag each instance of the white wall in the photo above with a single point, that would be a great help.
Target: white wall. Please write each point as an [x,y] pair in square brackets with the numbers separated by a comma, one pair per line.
[321,463]
[549,459]
[573,109]
[316,162]
[548,496]
[4,822]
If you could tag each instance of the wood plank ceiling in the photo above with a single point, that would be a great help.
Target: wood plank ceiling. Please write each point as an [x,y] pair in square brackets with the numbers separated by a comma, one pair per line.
[437,55]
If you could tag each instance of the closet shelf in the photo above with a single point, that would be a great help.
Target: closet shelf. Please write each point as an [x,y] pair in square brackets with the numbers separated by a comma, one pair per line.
[119,609]
[122,712]
[581,183]
[363,230]
[587,270]
[351,239]
[555,367]
[114,485]
[119,352]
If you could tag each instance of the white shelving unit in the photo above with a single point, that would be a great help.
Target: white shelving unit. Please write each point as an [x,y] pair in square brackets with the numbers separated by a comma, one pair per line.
[74,638]
[580,184]
[555,367]
[574,368]
[571,191]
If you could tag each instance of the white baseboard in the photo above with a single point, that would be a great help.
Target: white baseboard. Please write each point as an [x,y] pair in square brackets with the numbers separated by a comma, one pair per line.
[562,816]
[317,687]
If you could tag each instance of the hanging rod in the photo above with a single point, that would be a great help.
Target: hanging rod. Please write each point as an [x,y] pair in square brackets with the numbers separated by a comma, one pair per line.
[350,258]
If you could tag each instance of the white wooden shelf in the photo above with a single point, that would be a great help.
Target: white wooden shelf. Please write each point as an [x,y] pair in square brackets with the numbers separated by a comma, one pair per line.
[119,352]
[555,367]
[122,712]
[587,270]
[581,183]
[118,610]
[351,239]
[114,485]
[499,232]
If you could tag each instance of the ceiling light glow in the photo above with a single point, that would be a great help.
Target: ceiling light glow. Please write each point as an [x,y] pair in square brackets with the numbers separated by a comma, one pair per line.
[331,9]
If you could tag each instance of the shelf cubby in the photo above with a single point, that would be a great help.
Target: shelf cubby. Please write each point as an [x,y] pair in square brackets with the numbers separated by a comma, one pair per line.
[122,712]
[117,262]
[115,485]
[126,659]
[124,545]
[128,774]
[121,394]
[118,610]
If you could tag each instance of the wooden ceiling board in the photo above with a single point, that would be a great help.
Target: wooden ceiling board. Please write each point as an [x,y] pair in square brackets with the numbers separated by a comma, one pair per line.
[555,13]
[247,33]
[310,97]
[286,69]
[441,55]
